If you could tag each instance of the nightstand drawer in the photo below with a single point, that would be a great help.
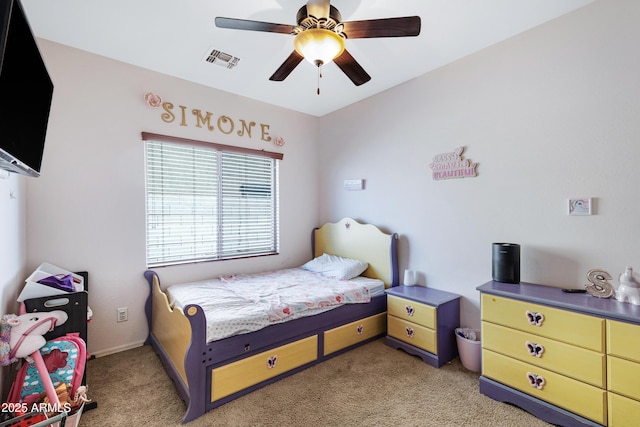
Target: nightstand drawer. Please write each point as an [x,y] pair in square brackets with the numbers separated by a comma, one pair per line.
[413,334]
[623,340]
[623,412]
[624,377]
[575,396]
[575,362]
[412,311]
[561,325]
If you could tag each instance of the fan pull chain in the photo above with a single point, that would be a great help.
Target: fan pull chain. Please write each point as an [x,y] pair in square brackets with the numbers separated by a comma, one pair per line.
[319,77]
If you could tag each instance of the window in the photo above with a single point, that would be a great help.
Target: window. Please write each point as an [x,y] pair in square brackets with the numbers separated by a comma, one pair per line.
[209,201]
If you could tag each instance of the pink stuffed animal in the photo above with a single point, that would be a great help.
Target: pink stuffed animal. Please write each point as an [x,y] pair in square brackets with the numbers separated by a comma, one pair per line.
[27,330]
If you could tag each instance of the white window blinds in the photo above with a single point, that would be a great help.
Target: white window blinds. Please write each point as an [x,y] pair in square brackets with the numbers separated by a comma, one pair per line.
[207,203]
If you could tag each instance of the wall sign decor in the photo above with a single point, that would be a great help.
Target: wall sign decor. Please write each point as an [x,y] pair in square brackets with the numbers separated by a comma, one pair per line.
[207,120]
[580,206]
[452,165]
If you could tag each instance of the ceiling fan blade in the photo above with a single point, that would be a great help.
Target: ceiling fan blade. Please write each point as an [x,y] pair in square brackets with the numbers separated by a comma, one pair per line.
[351,68]
[318,8]
[244,24]
[407,26]
[287,67]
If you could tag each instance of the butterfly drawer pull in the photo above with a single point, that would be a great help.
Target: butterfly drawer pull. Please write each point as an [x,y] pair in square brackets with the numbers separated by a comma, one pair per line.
[410,332]
[534,318]
[535,380]
[534,349]
[409,310]
[271,362]
[360,329]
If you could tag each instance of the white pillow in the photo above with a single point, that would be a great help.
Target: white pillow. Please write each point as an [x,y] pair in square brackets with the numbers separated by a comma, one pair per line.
[335,266]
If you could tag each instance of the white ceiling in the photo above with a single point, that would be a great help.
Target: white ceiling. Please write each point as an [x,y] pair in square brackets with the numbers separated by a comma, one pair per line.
[174,36]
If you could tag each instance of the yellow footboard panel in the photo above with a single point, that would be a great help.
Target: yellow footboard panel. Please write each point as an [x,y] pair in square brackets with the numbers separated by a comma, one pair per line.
[171,328]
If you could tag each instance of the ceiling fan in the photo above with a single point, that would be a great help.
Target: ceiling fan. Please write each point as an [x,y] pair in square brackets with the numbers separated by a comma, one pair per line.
[320,35]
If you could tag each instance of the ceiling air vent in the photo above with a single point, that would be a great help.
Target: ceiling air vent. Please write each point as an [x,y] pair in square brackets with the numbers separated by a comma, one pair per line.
[222,59]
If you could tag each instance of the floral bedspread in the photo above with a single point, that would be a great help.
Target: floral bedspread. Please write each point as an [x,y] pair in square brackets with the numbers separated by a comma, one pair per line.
[248,302]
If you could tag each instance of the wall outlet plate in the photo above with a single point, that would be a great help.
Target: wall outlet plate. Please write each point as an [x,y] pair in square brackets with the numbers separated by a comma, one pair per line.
[123,314]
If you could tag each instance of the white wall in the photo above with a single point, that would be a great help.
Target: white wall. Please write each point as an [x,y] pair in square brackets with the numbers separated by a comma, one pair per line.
[548,115]
[13,251]
[87,210]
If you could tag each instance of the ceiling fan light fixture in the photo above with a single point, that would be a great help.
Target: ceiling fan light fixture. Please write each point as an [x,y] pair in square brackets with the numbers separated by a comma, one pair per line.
[318,46]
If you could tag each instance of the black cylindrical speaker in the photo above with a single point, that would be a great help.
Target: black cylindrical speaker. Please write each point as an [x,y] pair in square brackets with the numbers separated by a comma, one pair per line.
[506,262]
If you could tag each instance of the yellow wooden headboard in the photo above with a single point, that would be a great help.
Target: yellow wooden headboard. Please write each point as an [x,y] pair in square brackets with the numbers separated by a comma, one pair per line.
[350,239]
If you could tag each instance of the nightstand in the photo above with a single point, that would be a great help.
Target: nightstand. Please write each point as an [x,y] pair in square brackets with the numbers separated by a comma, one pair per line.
[422,322]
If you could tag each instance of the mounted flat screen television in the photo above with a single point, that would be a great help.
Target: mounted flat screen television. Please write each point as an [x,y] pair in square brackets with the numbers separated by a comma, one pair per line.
[26,90]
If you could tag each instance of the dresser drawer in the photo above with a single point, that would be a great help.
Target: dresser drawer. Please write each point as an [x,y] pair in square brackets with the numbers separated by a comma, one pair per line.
[623,340]
[623,412]
[566,326]
[624,377]
[546,353]
[352,333]
[575,396]
[412,311]
[413,334]
[244,373]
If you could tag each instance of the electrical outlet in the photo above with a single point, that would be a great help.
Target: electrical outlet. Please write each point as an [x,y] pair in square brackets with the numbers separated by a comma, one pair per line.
[123,314]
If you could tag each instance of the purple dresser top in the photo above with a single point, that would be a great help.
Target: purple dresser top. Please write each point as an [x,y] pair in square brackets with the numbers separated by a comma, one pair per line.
[548,295]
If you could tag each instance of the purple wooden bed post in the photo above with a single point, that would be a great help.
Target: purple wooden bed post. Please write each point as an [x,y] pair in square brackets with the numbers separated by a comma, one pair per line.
[194,361]
[149,274]
[313,242]
[395,274]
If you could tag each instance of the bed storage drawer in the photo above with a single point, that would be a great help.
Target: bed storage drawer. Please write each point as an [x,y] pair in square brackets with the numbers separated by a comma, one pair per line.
[561,325]
[412,311]
[355,332]
[244,373]
[575,396]
[413,334]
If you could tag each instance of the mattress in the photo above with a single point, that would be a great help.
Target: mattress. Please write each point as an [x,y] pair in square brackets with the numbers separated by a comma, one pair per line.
[246,303]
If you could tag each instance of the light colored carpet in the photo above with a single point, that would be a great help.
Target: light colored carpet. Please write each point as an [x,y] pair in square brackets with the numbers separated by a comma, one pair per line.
[373,385]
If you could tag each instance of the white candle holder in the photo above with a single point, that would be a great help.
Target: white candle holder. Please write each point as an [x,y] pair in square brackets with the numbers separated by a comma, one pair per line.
[410,278]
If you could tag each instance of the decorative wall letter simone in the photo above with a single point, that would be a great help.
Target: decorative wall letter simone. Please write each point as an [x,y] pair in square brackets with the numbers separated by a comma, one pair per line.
[184,116]
[452,165]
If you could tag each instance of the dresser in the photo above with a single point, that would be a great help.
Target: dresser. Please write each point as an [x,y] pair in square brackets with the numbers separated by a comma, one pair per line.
[570,359]
[422,322]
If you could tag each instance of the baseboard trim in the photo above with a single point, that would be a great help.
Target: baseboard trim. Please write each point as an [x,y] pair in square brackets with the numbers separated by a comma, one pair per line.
[118,349]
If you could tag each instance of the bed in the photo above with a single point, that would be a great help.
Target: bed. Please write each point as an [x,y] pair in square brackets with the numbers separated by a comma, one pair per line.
[209,371]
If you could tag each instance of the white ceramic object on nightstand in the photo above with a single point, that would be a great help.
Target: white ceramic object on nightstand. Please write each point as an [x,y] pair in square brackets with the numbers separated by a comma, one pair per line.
[629,289]
[410,278]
